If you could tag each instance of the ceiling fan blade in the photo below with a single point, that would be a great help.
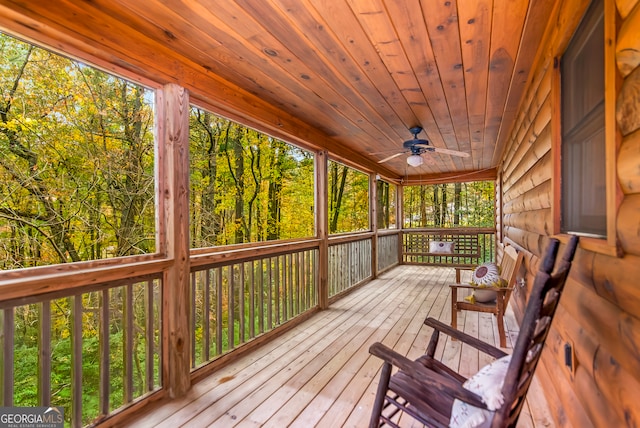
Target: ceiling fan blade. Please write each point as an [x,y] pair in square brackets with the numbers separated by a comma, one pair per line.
[383,152]
[451,152]
[391,157]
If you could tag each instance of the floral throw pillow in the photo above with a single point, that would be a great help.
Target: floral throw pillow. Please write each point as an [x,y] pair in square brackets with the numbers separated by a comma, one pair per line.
[487,275]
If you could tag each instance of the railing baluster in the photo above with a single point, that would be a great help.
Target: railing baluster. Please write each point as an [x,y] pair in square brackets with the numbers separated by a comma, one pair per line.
[149,383]
[128,365]
[104,352]
[241,299]
[7,357]
[205,315]
[194,310]
[291,285]
[283,288]
[269,286]
[252,301]
[277,290]
[231,307]
[219,300]
[44,348]
[261,273]
[76,361]
[299,283]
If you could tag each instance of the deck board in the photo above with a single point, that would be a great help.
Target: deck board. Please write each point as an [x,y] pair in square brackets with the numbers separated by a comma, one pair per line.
[320,372]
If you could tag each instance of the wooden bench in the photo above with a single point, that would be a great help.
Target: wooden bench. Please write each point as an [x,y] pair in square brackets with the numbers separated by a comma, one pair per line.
[418,248]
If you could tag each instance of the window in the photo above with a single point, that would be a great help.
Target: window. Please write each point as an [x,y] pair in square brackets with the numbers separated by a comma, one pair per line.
[583,166]
[386,205]
[348,199]
[245,185]
[76,161]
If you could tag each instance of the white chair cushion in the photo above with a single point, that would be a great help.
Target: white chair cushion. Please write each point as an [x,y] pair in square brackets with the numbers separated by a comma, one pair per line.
[487,383]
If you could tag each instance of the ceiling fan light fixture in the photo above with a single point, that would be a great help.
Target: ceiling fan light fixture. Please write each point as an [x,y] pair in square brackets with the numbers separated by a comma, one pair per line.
[415,160]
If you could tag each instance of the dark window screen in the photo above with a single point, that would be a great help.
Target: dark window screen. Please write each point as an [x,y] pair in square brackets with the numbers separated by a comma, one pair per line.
[583,137]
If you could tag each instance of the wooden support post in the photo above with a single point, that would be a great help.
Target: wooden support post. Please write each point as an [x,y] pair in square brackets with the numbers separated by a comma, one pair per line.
[400,220]
[373,222]
[322,227]
[173,212]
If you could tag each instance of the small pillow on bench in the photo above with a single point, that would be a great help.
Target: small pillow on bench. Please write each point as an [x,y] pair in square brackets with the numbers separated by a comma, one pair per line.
[442,247]
[487,383]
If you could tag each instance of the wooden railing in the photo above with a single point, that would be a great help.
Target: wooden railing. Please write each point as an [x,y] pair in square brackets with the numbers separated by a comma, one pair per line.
[97,345]
[247,292]
[349,262]
[388,250]
[97,348]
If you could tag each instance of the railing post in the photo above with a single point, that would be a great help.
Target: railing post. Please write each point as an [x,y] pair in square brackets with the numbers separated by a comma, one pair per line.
[373,216]
[400,220]
[173,213]
[322,227]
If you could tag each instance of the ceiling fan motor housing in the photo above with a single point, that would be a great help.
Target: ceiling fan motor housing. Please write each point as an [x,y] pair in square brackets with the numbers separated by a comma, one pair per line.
[418,146]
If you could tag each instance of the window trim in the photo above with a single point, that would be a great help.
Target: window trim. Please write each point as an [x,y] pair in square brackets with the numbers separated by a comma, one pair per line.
[611,245]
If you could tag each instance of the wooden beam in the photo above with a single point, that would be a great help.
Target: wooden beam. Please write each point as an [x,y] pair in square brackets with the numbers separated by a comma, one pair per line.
[400,219]
[173,181]
[489,174]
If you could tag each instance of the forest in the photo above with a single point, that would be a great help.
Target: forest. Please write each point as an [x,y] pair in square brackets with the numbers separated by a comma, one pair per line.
[450,205]
[77,165]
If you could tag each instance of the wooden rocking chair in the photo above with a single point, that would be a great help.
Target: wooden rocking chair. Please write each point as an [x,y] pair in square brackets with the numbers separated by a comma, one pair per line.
[511,261]
[425,389]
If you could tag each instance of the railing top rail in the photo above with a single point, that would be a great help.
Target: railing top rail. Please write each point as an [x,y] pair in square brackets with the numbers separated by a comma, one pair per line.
[451,230]
[242,254]
[249,246]
[70,282]
[340,239]
[67,292]
[384,232]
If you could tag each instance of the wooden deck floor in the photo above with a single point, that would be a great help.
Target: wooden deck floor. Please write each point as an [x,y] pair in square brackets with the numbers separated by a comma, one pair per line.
[321,374]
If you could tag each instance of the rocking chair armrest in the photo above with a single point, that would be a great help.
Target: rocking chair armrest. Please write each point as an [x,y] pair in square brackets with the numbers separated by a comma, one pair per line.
[464,338]
[425,376]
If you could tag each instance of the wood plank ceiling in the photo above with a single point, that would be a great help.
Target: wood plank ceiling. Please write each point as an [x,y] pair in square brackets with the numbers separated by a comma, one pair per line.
[350,76]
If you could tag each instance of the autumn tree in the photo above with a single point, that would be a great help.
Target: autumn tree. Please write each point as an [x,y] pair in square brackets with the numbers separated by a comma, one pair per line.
[76,161]
[449,205]
[348,199]
[258,188]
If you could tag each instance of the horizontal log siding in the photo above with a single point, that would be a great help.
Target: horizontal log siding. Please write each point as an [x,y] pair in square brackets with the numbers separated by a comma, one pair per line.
[600,314]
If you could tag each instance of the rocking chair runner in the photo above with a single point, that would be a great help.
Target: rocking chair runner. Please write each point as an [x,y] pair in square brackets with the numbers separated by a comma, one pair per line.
[426,389]
[511,261]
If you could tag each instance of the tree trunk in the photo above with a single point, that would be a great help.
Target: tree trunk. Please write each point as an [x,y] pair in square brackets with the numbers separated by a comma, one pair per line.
[337,190]
[274,214]
[436,206]
[457,204]
[239,180]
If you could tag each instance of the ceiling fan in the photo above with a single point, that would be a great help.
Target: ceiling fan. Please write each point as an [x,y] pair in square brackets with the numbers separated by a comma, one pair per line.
[417,147]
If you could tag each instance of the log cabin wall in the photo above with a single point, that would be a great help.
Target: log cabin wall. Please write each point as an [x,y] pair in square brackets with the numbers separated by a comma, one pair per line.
[599,317]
